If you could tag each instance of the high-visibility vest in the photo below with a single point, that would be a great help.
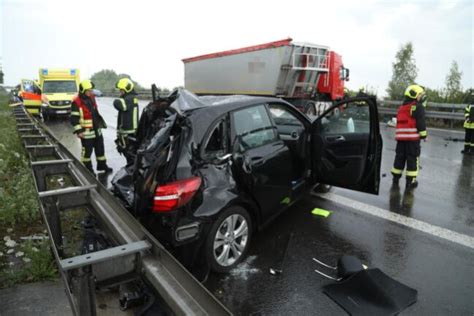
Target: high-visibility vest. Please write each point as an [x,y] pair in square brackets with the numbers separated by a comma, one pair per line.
[406,125]
[469,117]
[85,115]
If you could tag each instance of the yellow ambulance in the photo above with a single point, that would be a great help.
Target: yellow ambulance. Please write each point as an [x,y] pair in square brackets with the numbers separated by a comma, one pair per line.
[59,86]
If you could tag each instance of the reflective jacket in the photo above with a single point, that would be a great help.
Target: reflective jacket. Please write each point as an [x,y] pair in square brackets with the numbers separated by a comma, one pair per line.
[411,124]
[469,117]
[127,120]
[85,117]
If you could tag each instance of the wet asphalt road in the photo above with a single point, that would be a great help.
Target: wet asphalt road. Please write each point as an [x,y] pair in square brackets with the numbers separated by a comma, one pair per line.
[441,270]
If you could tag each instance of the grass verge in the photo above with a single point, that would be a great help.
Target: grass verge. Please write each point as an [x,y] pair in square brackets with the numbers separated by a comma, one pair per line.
[23,258]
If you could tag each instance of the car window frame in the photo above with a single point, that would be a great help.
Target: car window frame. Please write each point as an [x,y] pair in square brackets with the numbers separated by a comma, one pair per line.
[233,134]
[207,136]
[293,111]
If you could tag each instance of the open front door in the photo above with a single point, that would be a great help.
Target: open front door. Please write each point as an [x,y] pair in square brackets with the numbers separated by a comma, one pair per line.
[347,145]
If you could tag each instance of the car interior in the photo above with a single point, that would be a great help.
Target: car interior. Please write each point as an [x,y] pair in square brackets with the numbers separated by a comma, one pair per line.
[341,142]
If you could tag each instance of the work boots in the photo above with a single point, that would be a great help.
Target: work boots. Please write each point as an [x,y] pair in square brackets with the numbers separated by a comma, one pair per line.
[396,178]
[411,183]
[102,166]
[88,165]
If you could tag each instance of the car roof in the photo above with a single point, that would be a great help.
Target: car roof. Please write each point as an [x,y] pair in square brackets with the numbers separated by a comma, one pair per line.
[187,102]
[204,110]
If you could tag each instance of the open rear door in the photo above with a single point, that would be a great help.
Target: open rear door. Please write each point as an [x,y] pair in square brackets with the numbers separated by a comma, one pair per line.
[31,95]
[347,145]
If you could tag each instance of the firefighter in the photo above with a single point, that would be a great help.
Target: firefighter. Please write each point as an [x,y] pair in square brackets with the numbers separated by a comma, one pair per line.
[362,92]
[87,123]
[469,127]
[127,120]
[411,127]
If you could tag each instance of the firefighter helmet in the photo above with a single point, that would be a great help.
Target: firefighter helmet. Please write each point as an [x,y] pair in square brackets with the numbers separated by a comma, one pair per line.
[125,84]
[86,85]
[414,91]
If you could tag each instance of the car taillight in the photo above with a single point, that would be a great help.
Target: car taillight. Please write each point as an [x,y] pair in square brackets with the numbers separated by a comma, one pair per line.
[172,195]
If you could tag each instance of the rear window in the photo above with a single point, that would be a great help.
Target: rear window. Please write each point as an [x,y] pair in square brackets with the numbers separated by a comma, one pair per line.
[253,127]
[216,144]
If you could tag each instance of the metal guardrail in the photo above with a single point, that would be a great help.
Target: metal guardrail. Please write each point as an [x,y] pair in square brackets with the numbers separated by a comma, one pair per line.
[134,254]
[390,107]
[457,116]
[451,106]
[456,112]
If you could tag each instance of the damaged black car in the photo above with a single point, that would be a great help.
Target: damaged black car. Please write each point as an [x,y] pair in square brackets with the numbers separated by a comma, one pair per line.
[216,169]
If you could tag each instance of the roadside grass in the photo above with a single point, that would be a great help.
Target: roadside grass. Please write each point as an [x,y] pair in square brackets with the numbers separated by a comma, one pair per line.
[22,258]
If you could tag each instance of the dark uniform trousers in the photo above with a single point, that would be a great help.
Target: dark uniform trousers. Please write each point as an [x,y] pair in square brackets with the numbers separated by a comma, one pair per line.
[96,145]
[407,152]
[469,140]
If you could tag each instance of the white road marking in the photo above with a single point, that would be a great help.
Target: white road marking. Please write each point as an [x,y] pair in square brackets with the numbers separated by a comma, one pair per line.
[437,231]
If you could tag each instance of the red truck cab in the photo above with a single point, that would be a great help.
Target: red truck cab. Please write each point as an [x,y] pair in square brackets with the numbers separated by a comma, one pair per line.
[331,84]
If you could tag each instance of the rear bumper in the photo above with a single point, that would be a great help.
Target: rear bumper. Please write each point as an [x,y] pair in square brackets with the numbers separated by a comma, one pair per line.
[184,237]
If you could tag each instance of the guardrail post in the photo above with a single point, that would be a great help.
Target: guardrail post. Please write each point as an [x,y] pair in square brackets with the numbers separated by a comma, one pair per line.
[453,110]
[83,285]
[54,222]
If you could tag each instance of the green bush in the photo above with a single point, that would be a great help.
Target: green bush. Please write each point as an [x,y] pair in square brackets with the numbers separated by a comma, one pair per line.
[19,210]
[18,202]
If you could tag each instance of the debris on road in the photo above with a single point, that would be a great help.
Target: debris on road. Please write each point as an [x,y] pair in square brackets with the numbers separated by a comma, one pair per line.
[362,291]
[275,271]
[392,122]
[321,212]
[454,139]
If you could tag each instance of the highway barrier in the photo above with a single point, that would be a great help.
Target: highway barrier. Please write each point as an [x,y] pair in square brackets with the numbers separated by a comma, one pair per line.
[128,251]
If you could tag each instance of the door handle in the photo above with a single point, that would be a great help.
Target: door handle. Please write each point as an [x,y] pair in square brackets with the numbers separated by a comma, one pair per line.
[335,139]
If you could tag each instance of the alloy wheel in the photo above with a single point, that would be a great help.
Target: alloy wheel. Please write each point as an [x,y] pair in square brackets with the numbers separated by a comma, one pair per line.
[230,240]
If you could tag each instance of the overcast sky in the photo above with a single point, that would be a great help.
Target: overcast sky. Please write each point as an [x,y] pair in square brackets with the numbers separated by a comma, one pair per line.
[148,39]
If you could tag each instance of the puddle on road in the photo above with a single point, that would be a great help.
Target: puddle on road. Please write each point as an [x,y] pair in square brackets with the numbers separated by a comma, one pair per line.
[244,269]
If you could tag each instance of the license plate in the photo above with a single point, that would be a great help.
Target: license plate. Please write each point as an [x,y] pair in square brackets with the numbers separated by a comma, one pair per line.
[61,112]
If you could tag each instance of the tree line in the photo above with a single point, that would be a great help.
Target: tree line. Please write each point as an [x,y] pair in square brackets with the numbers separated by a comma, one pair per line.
[106,79]
[405,71]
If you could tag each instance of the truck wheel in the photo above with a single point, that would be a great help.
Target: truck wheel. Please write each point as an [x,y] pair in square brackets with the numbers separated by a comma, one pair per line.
[229,239]
[310,109]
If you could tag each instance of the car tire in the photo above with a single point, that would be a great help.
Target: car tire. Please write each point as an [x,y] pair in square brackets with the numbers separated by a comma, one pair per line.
[323,188]
[223,249]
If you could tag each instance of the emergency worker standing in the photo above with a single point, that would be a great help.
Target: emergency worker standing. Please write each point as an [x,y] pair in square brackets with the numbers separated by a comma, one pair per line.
[127,120]
[411,127]
[469,127]
[87,123]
